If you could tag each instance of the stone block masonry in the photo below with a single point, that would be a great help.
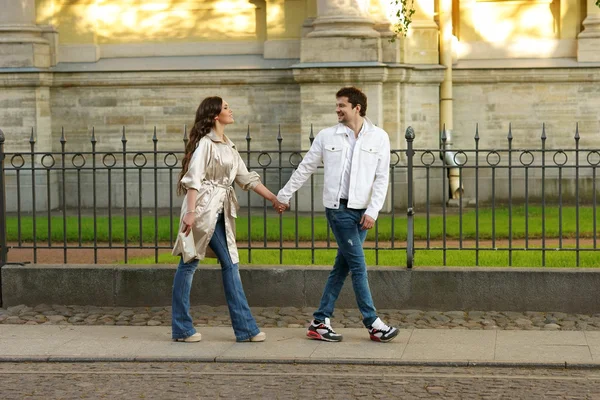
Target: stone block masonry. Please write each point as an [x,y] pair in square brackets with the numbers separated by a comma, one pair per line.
[440,289]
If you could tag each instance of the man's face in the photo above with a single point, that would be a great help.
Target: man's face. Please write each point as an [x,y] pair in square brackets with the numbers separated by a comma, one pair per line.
[344,110]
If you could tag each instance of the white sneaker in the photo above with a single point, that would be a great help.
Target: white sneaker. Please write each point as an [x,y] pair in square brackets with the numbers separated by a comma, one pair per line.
[258,338]
[380,332]
[322,330]
[196,337]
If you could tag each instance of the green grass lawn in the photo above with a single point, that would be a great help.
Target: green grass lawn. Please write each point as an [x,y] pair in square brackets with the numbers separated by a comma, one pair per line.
[431,258]
[490,225]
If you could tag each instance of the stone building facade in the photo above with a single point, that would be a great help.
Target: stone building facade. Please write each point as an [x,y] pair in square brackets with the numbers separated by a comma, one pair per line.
[90,64]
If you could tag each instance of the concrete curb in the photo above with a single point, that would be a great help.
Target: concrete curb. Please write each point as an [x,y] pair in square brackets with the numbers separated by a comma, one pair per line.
[220,360]
[568,290]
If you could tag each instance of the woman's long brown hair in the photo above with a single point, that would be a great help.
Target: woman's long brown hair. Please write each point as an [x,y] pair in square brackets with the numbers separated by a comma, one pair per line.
[205,121]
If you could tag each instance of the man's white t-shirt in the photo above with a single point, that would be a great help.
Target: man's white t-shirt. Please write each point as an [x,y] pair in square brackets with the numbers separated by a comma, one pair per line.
[351,137]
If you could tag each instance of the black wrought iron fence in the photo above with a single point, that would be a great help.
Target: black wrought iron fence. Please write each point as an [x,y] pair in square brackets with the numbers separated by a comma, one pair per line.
[94,201]
[536,202]
[506,201]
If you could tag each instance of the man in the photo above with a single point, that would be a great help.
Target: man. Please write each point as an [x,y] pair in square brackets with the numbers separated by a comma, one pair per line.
[355,154]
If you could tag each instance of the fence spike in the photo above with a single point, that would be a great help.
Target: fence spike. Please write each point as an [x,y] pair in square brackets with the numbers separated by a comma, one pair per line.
[410,133]
[577,131]
[279,138]
[248,137]
[63,140]
[444,137]
[185,138]
[477,132]
[123,138]
[32,138]
[311,137]
[154,138]
[93,139]
[544,131]
[510,136]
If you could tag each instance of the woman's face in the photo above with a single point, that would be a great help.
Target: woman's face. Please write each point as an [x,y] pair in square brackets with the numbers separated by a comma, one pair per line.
[226,115]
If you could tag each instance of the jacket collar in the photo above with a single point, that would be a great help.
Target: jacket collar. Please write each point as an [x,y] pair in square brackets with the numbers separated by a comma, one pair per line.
[368,125]
[212,135]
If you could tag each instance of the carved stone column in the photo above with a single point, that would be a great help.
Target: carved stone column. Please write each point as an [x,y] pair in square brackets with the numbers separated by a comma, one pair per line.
[342,32]
[22,43]
[588,41]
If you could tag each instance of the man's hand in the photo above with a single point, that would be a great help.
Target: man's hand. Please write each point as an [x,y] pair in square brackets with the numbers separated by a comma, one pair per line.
[367,222]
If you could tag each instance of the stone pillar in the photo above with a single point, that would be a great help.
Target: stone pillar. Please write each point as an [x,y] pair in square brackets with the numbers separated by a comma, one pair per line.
[342,32]
[22,42]
[588,41]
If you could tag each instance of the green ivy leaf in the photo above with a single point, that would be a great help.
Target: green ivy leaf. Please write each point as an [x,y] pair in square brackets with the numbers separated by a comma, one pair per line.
[404,13]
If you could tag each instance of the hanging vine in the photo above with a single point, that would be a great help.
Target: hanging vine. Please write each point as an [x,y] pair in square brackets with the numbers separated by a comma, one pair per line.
[404,10]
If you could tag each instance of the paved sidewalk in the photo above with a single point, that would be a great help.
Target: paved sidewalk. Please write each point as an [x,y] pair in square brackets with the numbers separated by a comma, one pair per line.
[289,345]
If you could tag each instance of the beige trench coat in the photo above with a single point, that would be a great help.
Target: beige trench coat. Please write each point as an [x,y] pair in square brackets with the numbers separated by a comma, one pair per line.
[214,166]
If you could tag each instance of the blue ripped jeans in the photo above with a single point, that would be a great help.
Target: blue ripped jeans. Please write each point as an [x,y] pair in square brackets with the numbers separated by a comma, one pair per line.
[242,321]
[345,225]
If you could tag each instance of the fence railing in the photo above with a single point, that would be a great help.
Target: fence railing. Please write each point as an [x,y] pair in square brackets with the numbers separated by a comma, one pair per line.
[511,203]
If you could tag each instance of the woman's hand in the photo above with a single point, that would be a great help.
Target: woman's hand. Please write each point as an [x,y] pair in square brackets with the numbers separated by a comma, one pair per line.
[188,221]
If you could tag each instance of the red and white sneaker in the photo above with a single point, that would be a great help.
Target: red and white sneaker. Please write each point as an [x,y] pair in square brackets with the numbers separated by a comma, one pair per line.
[322,330]
[380,332]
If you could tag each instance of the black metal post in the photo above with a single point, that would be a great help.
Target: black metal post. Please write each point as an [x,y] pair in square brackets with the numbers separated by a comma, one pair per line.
[410,234]
[3,248]
[577,137]
[279,140]
[248,139]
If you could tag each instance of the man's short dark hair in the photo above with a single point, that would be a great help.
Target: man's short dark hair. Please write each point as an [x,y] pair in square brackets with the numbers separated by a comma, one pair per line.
[355,96]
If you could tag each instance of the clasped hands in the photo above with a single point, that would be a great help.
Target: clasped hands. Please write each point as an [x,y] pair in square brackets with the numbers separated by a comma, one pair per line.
[366,222]
[279,206]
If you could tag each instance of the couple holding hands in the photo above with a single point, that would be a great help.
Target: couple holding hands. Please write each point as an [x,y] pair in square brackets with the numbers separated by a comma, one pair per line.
[355,154]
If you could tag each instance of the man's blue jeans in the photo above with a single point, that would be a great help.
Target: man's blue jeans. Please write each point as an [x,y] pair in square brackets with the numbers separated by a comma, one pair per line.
[345,225]
[242,321]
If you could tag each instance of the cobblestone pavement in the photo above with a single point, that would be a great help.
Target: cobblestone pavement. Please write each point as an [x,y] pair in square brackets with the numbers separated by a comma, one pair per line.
[292,317]
[270,381]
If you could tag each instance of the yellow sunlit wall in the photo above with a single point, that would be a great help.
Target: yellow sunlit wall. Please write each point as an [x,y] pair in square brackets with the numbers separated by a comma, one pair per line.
[285,18]
[497,24]
[497,21]
[519,28]
[140,21]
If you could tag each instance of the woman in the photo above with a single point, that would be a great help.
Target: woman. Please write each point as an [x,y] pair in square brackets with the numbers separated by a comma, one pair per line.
[210,166]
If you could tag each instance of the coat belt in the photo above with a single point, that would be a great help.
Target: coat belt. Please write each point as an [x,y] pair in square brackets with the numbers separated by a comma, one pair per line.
[230,205]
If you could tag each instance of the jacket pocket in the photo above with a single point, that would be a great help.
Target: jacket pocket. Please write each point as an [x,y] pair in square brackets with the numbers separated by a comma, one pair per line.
[332,147]
[333,152]
[370,149]
[369,155]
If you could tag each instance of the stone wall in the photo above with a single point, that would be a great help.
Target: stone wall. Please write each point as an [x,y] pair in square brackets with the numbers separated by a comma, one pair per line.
[17,116]
[263,101]
[290,101]
[527,98]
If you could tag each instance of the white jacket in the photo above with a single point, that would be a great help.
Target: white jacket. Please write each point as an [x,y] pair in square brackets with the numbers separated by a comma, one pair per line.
[369,175]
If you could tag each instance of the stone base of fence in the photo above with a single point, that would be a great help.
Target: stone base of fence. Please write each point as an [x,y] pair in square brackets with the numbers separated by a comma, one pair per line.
[443,289]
